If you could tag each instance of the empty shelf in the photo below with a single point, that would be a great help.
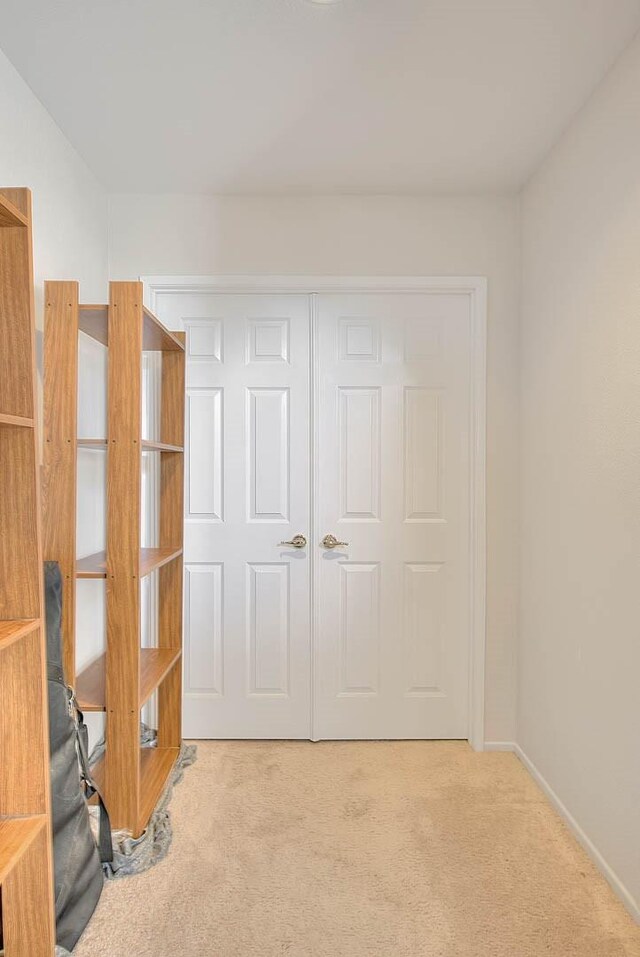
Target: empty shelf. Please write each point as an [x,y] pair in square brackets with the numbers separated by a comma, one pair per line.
[16,836]
[13,629]
[155,665]
[94,321]
[155,768]
[152,558]
[95,566]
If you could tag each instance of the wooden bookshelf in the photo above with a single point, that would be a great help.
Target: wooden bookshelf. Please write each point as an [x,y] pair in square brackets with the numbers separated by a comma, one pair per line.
[155,665]
[122,680]
[26,872]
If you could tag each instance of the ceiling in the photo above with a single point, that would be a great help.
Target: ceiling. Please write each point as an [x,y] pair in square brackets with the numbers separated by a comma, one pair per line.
[270,96]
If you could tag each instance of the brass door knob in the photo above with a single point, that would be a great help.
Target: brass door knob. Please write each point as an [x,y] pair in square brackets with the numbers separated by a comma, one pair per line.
[298,541]
[330,541]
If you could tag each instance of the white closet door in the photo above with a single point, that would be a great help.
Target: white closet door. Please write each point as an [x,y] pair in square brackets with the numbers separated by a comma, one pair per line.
[393,461]
[247,630]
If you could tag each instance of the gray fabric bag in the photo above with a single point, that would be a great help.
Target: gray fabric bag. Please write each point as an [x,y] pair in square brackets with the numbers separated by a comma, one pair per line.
[78,871]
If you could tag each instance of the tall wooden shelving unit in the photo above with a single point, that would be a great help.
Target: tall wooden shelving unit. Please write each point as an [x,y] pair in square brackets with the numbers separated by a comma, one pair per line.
[26,875]
[125,677]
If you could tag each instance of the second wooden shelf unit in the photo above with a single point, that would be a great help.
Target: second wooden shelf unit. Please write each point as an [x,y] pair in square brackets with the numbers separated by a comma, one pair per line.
[122,680]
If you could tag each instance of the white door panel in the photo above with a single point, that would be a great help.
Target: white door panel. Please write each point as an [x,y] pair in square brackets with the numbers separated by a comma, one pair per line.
[247,633]
[392,470]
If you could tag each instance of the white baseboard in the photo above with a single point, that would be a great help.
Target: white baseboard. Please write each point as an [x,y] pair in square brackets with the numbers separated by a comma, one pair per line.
[607,872]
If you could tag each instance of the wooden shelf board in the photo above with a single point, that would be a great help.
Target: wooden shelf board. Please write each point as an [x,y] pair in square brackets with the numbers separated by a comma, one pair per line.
[94,321]
[13,630]
[10,215]
[150,446]
[16,836]
[92,566]
[147,445]
[95,566]
[155,664]
[152,558]
[156,338]
[155,767]
[99,444]
[19,420]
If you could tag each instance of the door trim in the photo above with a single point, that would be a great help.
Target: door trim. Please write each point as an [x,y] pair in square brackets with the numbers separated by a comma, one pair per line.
[476,288]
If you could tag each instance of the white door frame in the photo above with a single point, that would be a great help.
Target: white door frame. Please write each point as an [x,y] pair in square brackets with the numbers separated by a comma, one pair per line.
[476,288]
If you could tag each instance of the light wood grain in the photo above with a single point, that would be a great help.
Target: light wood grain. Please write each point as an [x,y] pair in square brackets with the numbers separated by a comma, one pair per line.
[123,553]
[17,834]
[27,891]
[156,765]
[155,664]
[60,458]
[16,309]
[11,631]
[171,530]
[10,215]
[16,420]
[95,566]
[123,679]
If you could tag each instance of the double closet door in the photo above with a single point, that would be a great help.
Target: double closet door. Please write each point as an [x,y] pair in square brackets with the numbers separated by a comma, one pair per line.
[327,557]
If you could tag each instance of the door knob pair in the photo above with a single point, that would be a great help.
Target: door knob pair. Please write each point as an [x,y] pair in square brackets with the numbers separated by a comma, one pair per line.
[329,541]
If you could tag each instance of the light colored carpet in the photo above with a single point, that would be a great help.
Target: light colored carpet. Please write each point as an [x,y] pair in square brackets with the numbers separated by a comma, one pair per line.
[362,849]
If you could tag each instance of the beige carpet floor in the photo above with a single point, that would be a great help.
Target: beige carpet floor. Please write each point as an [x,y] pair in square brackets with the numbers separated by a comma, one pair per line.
[367,849]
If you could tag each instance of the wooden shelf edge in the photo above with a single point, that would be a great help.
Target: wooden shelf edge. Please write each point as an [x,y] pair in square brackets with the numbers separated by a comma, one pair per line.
[155,665]
[158,337]
[95,566]
[92,566]
[21,421]
[10,215]
[93,320]
[147,445]
[17,834]
[11,630]
[154,558]
[156,765]
[97,444]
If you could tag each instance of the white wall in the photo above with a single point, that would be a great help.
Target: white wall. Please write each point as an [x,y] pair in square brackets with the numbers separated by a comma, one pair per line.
[70,207]
[191,235]
[579,657]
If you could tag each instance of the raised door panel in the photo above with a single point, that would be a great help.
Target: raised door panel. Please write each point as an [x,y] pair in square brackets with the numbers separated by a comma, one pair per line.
[359,628]
[269,629]
[360,453]
[204,628]
[205,457]
[268,455]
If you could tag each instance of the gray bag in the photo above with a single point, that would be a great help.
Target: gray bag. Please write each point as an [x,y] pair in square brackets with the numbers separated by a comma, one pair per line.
[77,867]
